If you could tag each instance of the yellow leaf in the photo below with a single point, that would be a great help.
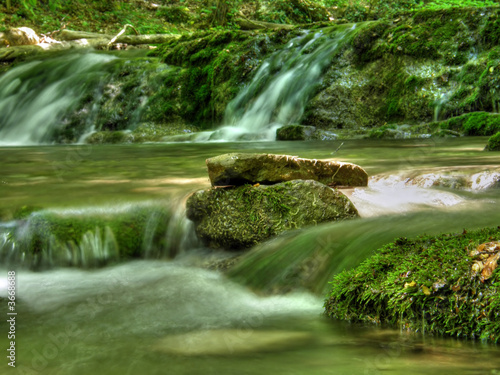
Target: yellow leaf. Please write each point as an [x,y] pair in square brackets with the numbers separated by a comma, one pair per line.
[410,285]
[489,266]
[426,290]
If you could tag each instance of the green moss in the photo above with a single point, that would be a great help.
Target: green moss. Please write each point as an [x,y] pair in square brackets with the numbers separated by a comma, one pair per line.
[214,65]
[491,31]
[423,284]
[24,211]
[474,123]
[364,41]
[48,231]
[294,133]
[112,137]
[174,14]
[240,217]
[494,143]
[385,131]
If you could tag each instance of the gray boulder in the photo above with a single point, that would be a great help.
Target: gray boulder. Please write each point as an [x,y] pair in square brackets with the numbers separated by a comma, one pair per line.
[238,169]
[240,217]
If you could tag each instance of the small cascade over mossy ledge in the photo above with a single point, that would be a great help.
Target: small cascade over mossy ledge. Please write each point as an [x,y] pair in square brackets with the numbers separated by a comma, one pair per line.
[85,96]
[95,237]
[341,80]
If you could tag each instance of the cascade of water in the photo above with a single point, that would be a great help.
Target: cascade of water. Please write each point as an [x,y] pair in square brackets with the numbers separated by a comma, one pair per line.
[34,97]
[308,259]
[279,92]
[94,237]
[439,103]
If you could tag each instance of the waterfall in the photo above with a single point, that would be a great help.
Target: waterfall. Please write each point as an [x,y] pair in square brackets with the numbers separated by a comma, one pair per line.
[281,88]
[35,96]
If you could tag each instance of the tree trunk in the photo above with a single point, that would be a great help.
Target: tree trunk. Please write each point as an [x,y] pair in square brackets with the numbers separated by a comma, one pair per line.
[220,15]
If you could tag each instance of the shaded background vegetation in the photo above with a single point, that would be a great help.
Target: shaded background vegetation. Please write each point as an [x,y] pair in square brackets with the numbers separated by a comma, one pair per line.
[178,16]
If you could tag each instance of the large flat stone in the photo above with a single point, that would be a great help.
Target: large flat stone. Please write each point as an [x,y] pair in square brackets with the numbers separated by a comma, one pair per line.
[239,169]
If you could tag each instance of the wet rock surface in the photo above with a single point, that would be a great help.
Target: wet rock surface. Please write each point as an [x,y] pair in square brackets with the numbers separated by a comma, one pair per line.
[239,169]
[240,217]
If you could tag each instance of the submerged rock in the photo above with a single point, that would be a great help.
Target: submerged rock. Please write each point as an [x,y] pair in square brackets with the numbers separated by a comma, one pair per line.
[239,169]
[243,216]
[304,133]
[295,133]
[230,341]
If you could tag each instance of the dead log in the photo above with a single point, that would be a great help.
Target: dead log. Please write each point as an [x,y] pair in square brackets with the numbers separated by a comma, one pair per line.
[101,42]
[246,24]
[68,35]
[71,35]
[146,39]
[19,52]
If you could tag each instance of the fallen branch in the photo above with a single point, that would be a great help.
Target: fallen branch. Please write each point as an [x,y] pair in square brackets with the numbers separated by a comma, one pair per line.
[71,35]
[13,53]
[20,52]
[68,35]
[246,24]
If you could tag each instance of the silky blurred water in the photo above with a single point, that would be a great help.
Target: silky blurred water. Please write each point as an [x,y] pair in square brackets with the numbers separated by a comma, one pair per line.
[161,316]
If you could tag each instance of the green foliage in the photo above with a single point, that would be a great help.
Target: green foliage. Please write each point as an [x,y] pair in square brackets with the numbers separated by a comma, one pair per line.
[99,16]
[385,131]
[174,14]
[494,143]
[473,124]
[423,284]
[214,65]
[297,11]
[481,123]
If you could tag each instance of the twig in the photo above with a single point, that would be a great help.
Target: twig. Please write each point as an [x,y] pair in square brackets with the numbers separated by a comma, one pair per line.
[120,33]
[338,148]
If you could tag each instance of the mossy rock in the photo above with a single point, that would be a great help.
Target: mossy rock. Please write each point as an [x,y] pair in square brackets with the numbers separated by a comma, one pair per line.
[240,217]
[111,137]
[473,124]
[295,133]
[426,284]
[494,143]
[92,237]
[239,169]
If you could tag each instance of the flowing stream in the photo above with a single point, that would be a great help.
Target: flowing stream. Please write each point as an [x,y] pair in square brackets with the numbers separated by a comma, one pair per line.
[44,101]
[36,96]
[169,314]
[279,91]
[81,311]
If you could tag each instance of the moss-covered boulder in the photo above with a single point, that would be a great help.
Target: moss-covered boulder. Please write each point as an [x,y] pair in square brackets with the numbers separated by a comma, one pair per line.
[239,169]
[494,143]
[240,217]
[446,284]
[295,133]
[92,237]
